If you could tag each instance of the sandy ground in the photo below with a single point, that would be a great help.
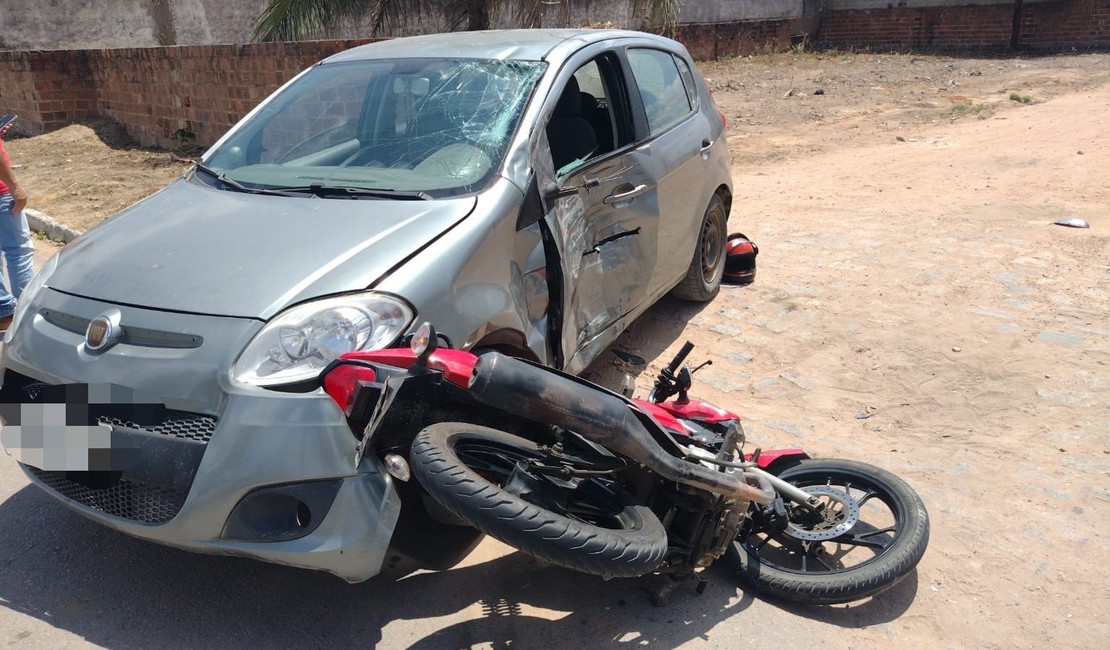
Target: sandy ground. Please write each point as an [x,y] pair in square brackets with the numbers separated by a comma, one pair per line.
[909,270]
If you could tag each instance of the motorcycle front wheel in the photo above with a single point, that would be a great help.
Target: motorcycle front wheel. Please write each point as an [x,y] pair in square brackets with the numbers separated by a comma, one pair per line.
[511,489]
[871,531]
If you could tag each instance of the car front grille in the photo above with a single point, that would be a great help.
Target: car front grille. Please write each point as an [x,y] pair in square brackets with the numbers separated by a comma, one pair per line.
[190,426]
[151,504]
[179,424]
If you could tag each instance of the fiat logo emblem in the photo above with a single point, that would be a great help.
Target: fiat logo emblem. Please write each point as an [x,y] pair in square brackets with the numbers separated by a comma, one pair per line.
[103,331]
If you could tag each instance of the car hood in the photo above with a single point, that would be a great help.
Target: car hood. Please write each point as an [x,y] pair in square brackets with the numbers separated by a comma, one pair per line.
[193,248]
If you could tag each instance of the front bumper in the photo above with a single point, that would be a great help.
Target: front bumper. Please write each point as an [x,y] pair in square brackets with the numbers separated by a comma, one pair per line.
[226,442]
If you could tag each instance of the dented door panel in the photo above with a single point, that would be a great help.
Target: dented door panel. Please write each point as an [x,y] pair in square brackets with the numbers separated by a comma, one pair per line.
[605,231]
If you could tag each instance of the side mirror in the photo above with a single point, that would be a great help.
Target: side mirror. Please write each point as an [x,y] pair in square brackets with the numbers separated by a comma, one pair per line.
[551,191]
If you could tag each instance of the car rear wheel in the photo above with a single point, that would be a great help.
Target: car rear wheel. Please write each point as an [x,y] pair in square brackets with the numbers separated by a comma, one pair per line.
[703,277]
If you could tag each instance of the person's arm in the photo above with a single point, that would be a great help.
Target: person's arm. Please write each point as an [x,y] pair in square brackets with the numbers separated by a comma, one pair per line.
[8,177]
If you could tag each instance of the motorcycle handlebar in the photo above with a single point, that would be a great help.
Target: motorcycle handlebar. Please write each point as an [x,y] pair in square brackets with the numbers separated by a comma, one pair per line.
[676,363]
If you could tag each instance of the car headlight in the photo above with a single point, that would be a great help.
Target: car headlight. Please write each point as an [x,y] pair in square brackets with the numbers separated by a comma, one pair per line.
[29,292]
[299,342]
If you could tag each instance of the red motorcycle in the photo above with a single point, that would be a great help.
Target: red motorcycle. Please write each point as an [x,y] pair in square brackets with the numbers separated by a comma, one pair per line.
[594,481]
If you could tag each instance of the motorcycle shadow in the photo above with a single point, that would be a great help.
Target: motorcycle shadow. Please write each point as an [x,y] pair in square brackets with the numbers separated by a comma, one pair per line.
[113,590]
[619,613]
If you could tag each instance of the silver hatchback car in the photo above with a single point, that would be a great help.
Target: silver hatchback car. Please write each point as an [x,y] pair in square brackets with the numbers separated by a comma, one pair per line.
[528,191]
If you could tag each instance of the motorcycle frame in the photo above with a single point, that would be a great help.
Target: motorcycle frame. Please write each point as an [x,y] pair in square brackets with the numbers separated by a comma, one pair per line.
[513,395]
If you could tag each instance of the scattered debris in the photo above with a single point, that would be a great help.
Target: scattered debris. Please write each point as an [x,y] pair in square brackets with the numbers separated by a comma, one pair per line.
[1072,222]
[629,357]
[956,348]
[866,413]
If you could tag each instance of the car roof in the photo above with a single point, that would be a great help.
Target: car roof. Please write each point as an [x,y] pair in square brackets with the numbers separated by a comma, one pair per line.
[512,44]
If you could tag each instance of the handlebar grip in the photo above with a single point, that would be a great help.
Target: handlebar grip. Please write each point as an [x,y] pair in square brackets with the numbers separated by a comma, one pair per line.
[676,363]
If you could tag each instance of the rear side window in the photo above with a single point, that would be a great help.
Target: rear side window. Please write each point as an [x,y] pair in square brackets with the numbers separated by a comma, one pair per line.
[688,81]
[666,98]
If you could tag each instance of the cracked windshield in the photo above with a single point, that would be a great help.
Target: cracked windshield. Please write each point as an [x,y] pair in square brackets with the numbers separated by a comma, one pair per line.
[423,127]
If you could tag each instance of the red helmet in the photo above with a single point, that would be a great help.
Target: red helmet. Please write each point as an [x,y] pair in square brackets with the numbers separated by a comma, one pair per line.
[740,259]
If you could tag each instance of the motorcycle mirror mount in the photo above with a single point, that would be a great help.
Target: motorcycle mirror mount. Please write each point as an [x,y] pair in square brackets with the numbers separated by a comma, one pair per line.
[683,383]
[424,343]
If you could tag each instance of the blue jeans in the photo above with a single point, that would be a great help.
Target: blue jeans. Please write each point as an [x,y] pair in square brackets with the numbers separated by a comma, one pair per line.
[19,253]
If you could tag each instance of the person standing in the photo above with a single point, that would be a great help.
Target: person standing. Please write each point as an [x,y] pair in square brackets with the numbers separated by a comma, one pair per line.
[15,237]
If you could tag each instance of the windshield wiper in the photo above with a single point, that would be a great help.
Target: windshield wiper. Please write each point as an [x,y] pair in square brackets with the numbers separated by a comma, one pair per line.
[231,183]
[344,192]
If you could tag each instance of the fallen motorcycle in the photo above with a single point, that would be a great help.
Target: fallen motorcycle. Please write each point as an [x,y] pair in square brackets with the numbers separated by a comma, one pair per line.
[595,481]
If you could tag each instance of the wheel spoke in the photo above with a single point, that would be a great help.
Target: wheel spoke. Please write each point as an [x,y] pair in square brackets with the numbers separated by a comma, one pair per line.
[859,539]
[865,498]
[822,563]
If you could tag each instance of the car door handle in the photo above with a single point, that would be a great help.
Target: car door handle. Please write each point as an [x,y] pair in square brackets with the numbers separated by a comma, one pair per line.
[625,196]
[706,145]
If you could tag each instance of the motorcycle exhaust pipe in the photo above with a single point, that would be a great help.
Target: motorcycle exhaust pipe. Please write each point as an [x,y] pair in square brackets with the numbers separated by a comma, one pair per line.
[548,396]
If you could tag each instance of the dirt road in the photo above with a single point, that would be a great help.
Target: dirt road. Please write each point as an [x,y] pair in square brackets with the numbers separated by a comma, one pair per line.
[908,272]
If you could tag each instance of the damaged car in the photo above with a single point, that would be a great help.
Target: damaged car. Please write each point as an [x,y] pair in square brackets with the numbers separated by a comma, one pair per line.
[530,192]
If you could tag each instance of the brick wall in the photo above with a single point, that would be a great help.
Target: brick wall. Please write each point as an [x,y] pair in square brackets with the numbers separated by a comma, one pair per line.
[1066,23]
[46,88]
[152,91]
[714,40]
[1045,26]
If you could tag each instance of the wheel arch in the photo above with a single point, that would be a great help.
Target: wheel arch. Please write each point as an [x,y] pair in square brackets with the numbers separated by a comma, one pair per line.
[726,198]
[509,342]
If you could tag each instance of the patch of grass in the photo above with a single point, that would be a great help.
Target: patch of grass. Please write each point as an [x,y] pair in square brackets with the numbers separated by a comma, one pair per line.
[42,235]
[970,108]
[1023,99]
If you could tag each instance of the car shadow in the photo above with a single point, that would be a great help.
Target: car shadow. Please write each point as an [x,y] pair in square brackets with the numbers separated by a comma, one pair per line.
[113,590]
[647,337]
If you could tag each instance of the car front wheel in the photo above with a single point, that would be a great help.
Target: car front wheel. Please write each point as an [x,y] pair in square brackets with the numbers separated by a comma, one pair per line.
[703,278]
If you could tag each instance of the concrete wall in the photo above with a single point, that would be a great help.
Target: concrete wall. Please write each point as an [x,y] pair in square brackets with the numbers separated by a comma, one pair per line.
[80,24]
[721,11]
[845,5]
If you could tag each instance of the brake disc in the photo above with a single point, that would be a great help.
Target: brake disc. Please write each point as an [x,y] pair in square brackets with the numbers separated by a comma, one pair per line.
[840,513]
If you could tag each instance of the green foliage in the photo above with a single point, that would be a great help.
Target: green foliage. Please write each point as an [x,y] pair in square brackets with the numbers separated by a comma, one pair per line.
[970,108]
[183,137]
[295,20]
[661,14]
[1022,99]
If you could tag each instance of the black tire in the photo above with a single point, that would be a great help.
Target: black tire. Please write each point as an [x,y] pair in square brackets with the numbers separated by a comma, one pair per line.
[777,562]
[595,533]
[707,267]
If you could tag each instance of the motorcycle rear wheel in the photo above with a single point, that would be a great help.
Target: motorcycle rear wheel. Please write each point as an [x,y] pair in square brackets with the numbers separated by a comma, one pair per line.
[874,535]
[485,477]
